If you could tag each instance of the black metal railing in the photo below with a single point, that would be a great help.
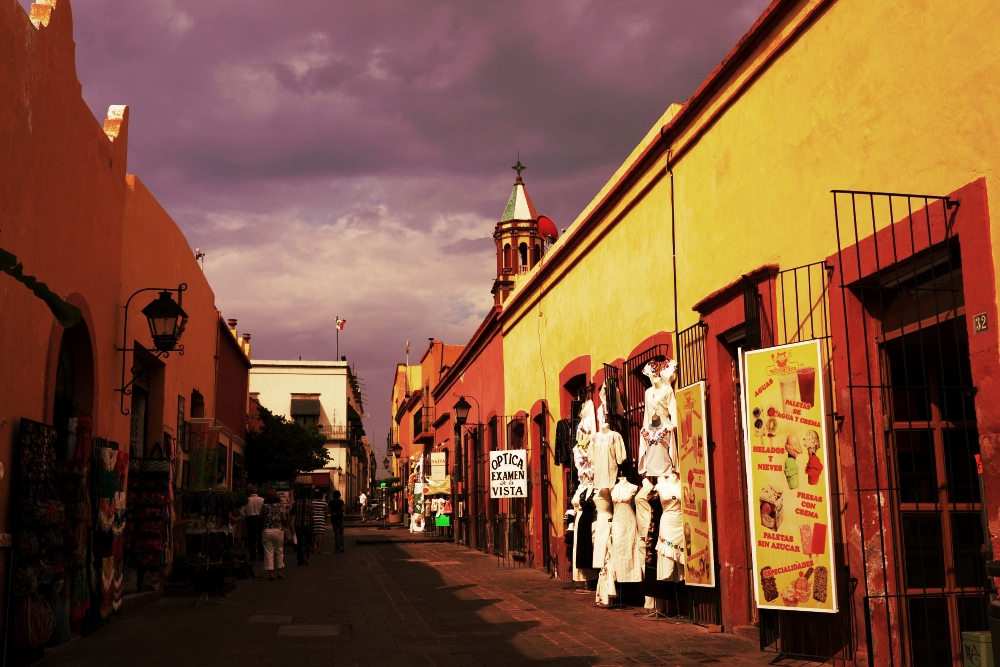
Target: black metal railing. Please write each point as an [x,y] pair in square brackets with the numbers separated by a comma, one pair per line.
[635,386]
[423,422]
[691,355]
[335,431]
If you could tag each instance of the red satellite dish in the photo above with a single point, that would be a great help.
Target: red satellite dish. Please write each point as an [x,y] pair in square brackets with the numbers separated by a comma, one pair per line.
[547,228]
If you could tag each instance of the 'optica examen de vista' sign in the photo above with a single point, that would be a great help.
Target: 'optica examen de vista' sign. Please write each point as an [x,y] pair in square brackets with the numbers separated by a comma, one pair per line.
[509,474]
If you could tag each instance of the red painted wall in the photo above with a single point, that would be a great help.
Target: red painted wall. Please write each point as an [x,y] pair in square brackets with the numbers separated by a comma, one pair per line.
[478,375]
[94,235]
[232,383]
[863,460]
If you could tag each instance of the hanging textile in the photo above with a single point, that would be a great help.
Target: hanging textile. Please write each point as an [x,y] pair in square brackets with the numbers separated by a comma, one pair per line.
[108,541]
[76,495]
[46,543]
[563,454]
[151,496]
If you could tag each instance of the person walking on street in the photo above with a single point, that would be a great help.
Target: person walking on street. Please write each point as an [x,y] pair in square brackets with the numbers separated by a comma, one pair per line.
[302,524]
[337,507]
[363,502]
[273,520]
[255,530]
[319,521]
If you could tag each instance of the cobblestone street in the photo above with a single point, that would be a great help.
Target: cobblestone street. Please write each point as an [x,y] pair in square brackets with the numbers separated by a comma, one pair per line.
[400,604]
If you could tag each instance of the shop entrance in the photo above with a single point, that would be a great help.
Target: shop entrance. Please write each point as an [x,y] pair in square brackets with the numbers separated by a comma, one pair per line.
[912,415]
[515,511]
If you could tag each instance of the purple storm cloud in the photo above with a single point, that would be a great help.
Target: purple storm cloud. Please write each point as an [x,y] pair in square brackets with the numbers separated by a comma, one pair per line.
[345,158]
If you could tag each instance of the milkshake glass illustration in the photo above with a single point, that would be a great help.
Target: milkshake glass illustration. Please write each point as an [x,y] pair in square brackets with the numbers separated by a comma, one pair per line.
[807,385]
[789,389]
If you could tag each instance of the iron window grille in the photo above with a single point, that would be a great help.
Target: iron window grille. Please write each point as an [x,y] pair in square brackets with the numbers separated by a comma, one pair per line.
[909,393]
[635,385]
[802,313]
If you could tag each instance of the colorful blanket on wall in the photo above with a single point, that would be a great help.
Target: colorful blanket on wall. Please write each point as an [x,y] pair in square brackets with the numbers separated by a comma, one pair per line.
[44,539]
[111,473]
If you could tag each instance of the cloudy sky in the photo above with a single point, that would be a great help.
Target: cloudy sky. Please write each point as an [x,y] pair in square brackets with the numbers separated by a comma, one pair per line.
[351,158]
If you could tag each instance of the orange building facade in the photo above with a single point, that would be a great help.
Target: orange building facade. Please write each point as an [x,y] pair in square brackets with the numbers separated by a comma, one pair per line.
[94,234]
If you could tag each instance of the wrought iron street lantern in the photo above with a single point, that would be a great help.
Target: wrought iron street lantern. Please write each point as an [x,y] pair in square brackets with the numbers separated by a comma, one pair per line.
[166,321]
[462,411]
[397,450]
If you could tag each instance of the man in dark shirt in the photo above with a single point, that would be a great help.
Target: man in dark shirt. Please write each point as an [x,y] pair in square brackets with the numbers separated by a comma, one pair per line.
[302,524]
[337,507]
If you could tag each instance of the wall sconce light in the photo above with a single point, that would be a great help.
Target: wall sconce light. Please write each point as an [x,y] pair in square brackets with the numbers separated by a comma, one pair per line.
[166,319]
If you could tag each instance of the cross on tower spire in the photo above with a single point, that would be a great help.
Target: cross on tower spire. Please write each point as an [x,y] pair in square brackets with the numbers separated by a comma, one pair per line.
[519,167]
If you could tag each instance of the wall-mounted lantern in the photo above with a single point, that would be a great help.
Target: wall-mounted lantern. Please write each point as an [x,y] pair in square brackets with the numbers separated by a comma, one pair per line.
[166,319]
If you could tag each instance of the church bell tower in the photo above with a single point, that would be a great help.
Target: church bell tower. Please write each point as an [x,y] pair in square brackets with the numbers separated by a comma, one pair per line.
[519,244]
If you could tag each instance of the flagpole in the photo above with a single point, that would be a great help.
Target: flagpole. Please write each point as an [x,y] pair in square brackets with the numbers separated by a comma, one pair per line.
[338,337]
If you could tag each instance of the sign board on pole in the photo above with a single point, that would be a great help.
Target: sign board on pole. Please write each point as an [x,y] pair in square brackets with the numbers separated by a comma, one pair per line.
[509,474]
[211,459]
[788,478]
[198,453]
[696,486]
[438,460]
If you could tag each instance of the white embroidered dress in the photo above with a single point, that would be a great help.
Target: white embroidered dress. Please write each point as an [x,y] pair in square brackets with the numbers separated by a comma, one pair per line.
[627,550]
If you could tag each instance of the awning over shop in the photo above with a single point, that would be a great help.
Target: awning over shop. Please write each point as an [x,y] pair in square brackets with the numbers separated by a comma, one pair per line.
[319,479]
[305,406]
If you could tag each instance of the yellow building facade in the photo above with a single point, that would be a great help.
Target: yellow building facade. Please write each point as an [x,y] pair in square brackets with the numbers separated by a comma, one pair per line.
[732,191]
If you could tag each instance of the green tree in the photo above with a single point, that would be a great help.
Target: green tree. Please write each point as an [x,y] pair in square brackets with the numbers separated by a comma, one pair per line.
[281,449]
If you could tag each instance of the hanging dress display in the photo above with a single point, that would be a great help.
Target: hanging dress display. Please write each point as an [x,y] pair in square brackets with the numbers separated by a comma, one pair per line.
[657,447]
[627,550]
[670,545]
[607,451]
[602,525]
[585,530]
[578,574]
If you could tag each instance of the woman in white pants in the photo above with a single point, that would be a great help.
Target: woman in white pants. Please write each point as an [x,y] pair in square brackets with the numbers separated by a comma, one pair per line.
[273,520]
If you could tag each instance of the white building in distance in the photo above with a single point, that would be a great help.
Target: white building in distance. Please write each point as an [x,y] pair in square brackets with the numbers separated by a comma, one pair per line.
[328,394]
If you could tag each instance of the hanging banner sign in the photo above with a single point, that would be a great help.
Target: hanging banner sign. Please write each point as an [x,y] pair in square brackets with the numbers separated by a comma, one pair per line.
[198,452]
[509,474]
[438,460]
[696,486]
[788,483]
[212,459]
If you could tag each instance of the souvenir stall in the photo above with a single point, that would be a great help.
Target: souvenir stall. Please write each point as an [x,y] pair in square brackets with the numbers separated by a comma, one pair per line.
[76,493]
[416,490]
[210,516]
[148,529]
[45,553]
[110,479]
[437,506]
[634,525]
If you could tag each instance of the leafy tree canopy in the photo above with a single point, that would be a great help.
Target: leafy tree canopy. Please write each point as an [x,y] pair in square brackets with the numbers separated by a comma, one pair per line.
[281,449]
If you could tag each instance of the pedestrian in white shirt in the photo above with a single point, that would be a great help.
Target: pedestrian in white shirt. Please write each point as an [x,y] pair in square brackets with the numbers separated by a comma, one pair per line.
[255,529]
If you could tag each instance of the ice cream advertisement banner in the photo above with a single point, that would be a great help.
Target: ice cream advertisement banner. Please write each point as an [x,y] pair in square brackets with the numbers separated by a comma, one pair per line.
[696,486]
[788,485]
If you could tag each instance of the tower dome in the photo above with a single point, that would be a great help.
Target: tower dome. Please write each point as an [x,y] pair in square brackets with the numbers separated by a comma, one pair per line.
[519,244]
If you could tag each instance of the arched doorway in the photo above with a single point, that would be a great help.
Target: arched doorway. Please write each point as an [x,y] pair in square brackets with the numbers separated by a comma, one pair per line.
[74,386]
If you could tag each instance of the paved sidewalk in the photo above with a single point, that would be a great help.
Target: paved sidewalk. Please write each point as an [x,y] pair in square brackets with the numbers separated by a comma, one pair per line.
[400,604]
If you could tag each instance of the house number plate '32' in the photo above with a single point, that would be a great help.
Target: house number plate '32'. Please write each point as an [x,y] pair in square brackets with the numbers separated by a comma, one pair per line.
[979,323]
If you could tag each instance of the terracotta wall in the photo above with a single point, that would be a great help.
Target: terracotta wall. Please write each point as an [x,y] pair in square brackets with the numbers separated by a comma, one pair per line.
[232,383]
[94,235]
[477,375]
